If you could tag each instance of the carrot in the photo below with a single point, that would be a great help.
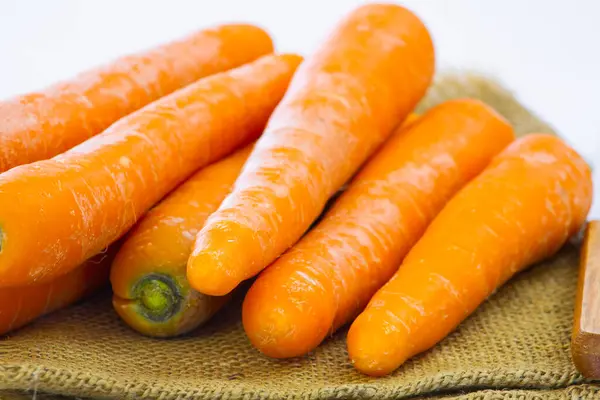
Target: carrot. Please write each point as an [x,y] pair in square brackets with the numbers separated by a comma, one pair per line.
[520,210]
[59,212]
[323,281]
[341,105]
[40,125]
[22,305]
[151,292]
[409,120]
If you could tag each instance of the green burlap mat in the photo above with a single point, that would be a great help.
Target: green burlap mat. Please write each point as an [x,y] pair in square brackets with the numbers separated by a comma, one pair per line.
[516,346]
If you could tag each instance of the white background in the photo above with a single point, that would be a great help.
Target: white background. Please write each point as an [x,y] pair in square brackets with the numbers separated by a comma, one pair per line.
[546,51]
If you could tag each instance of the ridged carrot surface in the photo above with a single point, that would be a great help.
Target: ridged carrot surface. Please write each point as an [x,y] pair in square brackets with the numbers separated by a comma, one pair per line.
[21,305]
[148,276]
[54,214]
[343,102]
[40,125]
[520,210]
[329,276]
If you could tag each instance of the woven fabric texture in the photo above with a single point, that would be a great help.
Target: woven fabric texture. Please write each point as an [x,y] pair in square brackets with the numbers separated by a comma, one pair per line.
[516,346]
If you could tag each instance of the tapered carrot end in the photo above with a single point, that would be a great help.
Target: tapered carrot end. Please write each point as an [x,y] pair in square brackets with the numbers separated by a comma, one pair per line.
[377,346]
[293,60]
[225,253]
[282,324]
[254,35]
[208,274]
[381,9]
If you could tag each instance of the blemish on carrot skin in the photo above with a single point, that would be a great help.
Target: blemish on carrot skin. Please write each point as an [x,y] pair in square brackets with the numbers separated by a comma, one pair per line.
[125,161]
[1,240]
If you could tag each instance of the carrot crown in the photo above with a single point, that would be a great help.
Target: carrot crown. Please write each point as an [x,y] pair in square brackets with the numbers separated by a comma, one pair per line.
[158,297]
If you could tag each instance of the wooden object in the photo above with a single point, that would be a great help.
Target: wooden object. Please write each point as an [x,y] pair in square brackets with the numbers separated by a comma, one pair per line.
[585,345]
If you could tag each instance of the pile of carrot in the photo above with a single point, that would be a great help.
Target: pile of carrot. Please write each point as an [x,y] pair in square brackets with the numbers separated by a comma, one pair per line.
[180,172]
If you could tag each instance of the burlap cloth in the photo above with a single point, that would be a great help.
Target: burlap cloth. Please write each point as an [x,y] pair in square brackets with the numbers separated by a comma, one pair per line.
[516,346]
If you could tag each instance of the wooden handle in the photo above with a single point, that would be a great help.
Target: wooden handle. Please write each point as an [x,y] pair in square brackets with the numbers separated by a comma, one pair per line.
[585,343]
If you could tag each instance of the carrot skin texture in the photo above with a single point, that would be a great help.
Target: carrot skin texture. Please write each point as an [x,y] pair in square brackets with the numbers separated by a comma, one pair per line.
[520,210]
[412,117]
[41,125]
[94,193]
[22,305]
[342,104]
[159,247]
[329,276]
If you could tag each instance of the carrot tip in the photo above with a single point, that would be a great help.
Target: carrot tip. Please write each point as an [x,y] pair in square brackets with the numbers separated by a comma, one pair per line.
[158,297]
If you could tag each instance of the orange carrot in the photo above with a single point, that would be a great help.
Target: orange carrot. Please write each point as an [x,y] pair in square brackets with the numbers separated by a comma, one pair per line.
[409,120]
[151,291]
[56,213]
[341,105]
[520,210]
[328,277]
[40,125]
[21,305]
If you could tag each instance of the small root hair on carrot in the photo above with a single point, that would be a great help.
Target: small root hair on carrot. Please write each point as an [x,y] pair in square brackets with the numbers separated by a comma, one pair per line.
[158,297]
